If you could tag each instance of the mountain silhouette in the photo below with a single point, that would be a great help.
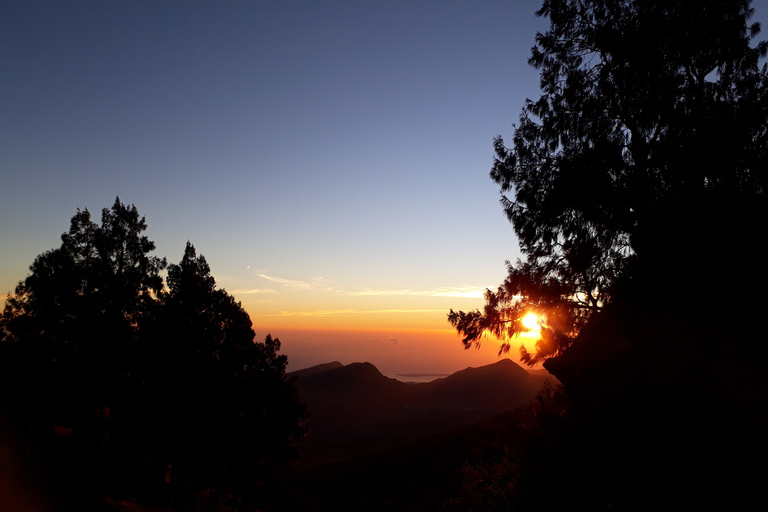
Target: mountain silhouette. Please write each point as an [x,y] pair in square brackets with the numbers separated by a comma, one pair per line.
[316,369]
[499,387]
[354,409]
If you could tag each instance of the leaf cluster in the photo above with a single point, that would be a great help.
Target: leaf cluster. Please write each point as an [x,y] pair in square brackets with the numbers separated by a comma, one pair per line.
[652,116]
[148,383]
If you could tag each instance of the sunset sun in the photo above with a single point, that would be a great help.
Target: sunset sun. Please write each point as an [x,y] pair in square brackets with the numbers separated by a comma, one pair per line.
[531,321]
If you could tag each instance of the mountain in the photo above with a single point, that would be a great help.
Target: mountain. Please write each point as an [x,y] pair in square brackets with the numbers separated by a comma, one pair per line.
[354,409]
[316,369]
[499,387]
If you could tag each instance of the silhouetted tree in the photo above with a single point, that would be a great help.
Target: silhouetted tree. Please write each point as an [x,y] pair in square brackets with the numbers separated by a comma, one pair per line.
[528,472]
[72,327]
[636,185]
[112,383]
[644,158]
[227,414]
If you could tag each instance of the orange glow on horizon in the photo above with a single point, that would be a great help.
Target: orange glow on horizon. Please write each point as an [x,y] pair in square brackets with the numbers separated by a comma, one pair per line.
[395,333]
[391,350]
[345,317]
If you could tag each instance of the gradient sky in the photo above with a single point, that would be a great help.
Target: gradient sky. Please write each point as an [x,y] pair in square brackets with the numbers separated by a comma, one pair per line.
[330,159]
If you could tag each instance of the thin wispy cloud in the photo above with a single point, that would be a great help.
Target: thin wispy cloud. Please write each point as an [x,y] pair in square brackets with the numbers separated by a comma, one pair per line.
[378,293]
[315,283]
[331,312]
[391,339]
[472,292]
[286,282]
[404,311]
[318,312]
[251,291]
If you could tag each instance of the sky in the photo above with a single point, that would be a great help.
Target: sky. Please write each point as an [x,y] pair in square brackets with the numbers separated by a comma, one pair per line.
[330,159]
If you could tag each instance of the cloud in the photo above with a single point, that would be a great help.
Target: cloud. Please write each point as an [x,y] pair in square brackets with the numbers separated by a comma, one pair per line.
[320,283]
[252,290]
[390,339]
[287,282]
[318,312]
[367,293]
[472,292]
[403,311]
[330,312]
[315,283]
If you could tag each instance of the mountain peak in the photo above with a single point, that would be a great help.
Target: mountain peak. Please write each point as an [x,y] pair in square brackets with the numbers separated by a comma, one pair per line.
[502,367]
[360,370]
[318,368]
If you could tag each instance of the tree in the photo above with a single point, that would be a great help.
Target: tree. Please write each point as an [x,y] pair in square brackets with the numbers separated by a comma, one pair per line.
[80,310]
[112,381]
[226,414]
[641,168]
[70,334]
[636,185]
[89,296]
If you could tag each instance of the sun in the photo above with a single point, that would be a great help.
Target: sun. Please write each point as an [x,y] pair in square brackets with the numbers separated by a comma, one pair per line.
[531,321]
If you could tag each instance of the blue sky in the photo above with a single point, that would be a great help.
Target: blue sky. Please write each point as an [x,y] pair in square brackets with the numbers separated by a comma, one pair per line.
[330,159]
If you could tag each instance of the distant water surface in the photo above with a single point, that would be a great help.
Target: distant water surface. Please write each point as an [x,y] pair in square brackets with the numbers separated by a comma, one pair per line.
[417,377]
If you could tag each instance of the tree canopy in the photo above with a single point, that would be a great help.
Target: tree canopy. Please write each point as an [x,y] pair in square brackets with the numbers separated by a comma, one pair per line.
[636,186]
[640,172]
[128,387]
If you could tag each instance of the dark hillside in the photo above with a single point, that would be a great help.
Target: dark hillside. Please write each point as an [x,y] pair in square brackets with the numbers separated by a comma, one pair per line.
[320,368]
[425,475]
[357,386]
[354,409]
[499,386]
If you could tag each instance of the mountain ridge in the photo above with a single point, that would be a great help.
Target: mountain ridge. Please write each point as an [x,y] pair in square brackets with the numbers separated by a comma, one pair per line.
[355,409]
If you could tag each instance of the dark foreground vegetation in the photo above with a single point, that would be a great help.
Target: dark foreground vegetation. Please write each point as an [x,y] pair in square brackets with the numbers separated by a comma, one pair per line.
[116,388]
[463,464]
[636,185]
[355,410]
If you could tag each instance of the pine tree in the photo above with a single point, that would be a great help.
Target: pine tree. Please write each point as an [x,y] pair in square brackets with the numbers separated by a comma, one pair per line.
[642,167]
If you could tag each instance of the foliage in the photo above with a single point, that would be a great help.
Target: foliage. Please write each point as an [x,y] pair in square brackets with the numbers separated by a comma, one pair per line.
[251,420]
[644,157]
[525,464]
[93,292]
[70,333]
[636,186]
[138,382]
